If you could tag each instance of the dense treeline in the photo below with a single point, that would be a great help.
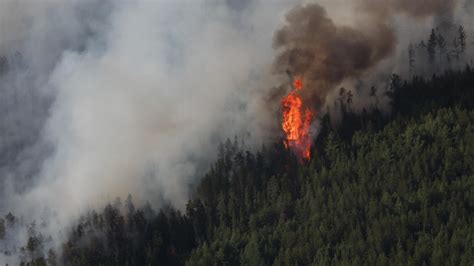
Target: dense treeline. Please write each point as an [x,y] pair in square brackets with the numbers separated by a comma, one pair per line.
[403,195]
[380,189]
[398,190]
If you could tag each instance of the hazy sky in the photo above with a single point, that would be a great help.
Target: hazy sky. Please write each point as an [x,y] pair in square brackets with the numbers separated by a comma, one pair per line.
[107,98]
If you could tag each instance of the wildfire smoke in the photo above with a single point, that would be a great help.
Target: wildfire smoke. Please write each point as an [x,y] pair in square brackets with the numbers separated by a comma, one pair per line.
[328,54]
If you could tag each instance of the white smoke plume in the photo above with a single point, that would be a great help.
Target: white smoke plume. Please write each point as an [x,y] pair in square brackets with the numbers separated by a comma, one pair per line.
[108,98]
[141,93]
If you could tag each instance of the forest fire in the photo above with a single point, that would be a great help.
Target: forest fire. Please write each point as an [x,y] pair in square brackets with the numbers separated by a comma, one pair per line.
[296,121]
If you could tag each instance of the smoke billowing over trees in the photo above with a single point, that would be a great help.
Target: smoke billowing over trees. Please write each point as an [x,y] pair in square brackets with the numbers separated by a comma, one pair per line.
[312,45]
[104,99]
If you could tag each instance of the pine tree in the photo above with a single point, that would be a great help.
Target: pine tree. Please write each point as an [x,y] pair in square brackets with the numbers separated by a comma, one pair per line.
[431,47]
[411,58]
[251,254]
[349,99]
[442,48]
[462,38]
[2,229]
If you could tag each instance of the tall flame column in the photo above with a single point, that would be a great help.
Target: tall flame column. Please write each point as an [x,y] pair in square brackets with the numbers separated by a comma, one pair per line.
[296,121]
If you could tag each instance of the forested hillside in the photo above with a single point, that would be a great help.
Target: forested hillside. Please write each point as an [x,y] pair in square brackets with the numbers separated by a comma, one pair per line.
[236,132]
[379,190]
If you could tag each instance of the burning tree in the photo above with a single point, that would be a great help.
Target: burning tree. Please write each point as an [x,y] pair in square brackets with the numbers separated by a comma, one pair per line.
[296,121]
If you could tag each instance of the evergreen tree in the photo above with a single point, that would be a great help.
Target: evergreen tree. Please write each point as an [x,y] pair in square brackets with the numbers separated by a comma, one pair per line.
[462,38]
[431,46]
[411,60]
[2,229]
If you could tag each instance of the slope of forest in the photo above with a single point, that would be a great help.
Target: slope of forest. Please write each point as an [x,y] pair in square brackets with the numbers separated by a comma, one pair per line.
[379,190]
[106,98]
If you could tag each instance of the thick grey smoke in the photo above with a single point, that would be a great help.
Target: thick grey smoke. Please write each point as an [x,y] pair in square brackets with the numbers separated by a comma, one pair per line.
[105,98]
[327,54]
[33,36]
[138,95]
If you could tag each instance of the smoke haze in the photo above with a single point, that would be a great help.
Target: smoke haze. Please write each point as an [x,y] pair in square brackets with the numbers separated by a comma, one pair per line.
[325,54]
[105,98]
[137,96]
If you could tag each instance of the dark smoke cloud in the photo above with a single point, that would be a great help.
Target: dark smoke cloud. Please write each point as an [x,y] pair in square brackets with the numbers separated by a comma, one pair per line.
[325,54]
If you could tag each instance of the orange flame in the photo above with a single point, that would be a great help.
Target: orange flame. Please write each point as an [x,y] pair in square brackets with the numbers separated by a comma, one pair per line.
[298,84]
[296,121]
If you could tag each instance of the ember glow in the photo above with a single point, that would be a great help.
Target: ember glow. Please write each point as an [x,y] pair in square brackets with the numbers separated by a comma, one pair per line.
[296,121]
[298,84]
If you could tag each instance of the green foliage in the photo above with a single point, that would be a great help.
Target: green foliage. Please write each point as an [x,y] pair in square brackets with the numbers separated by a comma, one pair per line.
[398,195]
[379,190]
